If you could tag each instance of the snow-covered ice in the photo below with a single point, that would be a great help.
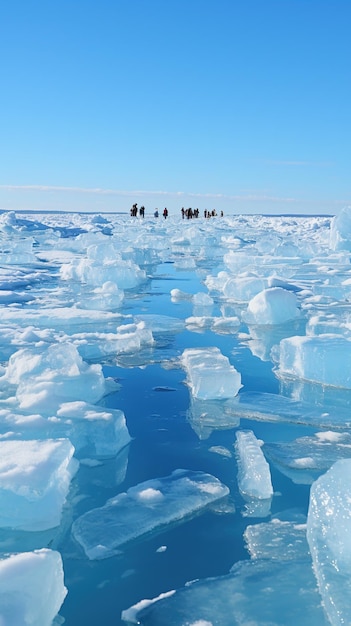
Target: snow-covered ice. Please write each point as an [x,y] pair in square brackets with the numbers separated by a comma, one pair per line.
[273,305]
[34,481]
[32,588]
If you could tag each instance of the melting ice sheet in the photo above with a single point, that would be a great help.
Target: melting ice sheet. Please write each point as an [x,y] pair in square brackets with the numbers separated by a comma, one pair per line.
[256,592]
[133,347]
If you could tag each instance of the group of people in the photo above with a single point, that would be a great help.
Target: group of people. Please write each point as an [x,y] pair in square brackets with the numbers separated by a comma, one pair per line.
[134,211]
[186,213]
[190,213]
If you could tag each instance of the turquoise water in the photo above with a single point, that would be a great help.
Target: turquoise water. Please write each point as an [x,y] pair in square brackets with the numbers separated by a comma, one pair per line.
[155,400]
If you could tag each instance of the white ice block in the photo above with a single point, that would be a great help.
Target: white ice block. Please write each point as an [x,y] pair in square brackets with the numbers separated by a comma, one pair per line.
[325,359]
[47,376]
[254,476]
[32,588]
[35,477]
[102,432]
[272,306]
[210,374]
[329,538]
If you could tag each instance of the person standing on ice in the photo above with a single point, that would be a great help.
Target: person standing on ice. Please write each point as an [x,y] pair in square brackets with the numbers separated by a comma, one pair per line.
[165,213]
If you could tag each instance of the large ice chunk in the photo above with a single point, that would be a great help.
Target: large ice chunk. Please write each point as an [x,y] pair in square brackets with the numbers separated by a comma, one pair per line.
[272,306]
[32,588]
[93,430]
[340,230]
[144,508]
[329,538]
[325,359]
[35,477]
[254,476]
[128,339]
[104,264]
[210,374]
[99,431]
[259,592]
[47,376]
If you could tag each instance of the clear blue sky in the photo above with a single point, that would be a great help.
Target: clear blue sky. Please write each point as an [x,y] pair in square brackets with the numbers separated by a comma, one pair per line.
[240,105]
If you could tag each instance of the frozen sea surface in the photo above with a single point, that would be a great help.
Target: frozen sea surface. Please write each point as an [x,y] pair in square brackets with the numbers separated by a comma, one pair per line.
[192,377]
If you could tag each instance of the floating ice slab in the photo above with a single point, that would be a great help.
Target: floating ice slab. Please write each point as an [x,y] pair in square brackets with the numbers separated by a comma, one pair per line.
[129,338]
[278,539]
[21,277]
[271,407]
[35,477]
[32,588]
[328,323]
[255,592]
[306,458]
[272,306]
[205,416]
[254,477]
[329,538]
[210,374]
[60,317]
[220,325]
[161,323]
[325,359]
[147,507]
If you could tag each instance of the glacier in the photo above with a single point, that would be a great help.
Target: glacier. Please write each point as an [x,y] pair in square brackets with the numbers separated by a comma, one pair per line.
[175,419]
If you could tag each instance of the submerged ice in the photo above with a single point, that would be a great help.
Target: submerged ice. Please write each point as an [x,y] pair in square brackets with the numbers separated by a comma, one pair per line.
[135,347]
